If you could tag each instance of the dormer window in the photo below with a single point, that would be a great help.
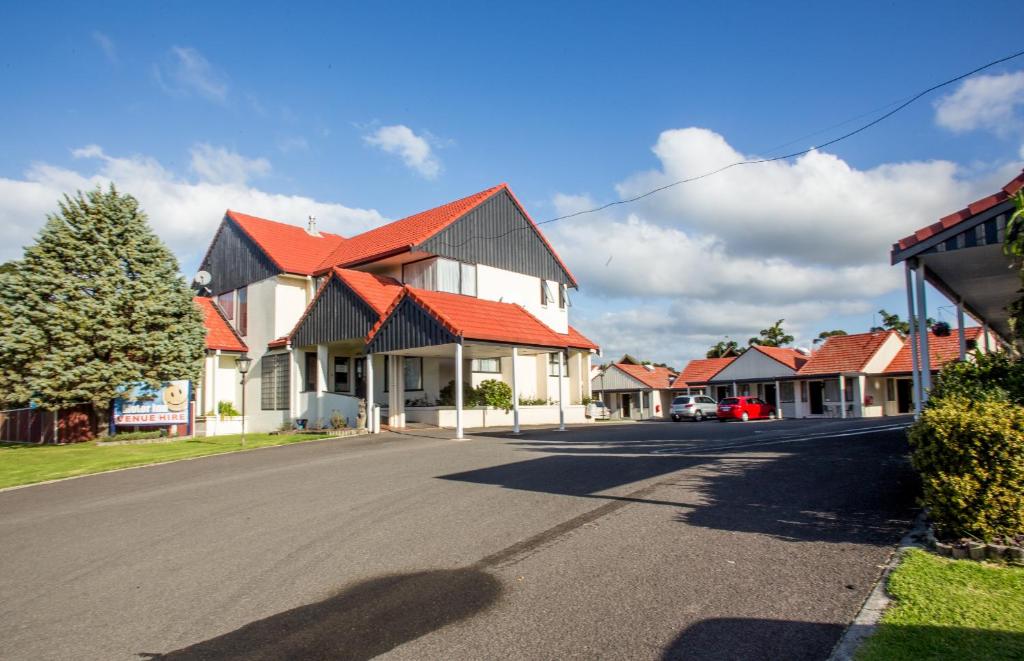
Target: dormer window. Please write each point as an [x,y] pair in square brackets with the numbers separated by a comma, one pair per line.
[440,274]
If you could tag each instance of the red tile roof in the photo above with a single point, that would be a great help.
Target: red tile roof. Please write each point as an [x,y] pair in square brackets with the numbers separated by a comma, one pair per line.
[941,350]
[379,291]
[479,319]
[292,248]
[791,358]
[402,234]
[659,379]
[578,340]
[846,353]
[219,333]
[700,370]
[970,211]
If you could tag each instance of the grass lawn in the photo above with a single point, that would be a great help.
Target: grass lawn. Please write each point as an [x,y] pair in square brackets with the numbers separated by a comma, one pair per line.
[950,609]
[25,464]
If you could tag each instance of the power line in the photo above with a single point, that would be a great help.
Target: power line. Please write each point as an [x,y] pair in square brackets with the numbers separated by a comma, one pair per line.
[772,159]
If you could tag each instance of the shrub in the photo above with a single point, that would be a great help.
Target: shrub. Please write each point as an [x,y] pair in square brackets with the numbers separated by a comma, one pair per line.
[227,409]
[992,376]
[470,396]
[970,455]
[533,401]
[338,421]
[495,393]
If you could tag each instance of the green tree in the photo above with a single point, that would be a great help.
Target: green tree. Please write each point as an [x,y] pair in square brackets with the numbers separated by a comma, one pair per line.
[893,322]
[824,335]
[773,336]
[725,349]
[94,304]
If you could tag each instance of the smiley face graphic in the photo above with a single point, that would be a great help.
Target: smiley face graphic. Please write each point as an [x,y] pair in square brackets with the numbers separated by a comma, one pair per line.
[174,398]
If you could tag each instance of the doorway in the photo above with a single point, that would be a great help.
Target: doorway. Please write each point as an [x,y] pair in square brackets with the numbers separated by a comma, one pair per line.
[817,396]
[359,367]
[721,392]
[769,395]
[904,395]
[627,401]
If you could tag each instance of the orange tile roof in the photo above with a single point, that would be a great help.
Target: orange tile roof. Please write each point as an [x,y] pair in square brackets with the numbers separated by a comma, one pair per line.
[379,291]
[401,235]
[941,350]
[292,248]
[971,210]
[659,379]
[219,333]
[845,353]
[479,319]
[791,358]
[578,340]
[700,370]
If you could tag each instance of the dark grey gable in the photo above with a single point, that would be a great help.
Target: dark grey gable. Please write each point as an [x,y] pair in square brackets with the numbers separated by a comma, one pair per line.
[337,314]
[496,233]
[407,327]
[234,260]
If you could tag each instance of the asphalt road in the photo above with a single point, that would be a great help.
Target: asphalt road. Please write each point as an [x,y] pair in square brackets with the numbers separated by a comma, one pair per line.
[642,541]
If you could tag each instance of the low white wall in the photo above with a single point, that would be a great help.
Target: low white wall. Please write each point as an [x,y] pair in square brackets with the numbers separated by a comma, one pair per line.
[210,426]
[444,416]
[316,408]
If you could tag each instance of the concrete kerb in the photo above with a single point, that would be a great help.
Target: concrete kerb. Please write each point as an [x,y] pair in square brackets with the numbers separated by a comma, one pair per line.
[867,619]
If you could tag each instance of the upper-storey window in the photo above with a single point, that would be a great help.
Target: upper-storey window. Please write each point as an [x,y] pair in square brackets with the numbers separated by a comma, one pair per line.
[242,325]
[440,274]
[226,301]
[546,294]
[563,296]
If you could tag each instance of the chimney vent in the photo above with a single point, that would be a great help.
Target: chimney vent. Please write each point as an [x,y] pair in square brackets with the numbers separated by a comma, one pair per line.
[311,227]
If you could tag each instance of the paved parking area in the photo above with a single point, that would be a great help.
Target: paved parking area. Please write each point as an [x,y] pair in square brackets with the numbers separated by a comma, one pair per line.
[645,541]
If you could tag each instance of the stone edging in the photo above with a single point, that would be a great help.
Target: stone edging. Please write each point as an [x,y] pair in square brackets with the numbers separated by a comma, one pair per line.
[975,550]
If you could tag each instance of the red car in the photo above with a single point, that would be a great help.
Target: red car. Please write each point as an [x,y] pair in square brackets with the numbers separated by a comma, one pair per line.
[744,408]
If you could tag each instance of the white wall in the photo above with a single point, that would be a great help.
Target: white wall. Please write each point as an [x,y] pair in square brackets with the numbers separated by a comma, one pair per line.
[752,365]
[496,284]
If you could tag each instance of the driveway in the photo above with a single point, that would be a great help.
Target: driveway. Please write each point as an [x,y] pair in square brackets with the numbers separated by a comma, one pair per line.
[642,541]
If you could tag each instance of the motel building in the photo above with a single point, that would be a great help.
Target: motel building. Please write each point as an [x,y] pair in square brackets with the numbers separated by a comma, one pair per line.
[397,320]
[632,390]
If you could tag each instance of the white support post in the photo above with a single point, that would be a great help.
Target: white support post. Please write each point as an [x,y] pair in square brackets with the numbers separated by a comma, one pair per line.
[778,401]
[515,391]
[984,330]
[842,396]
[734,391]
[922,329]
[561,391]
[321,382]
[960,330]
[371,418]
[214,365]
[458,391]
[862,384]
[915,365]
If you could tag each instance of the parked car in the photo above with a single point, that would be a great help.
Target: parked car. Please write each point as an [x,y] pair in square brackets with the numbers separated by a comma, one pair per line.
[744,408]
[694,407]
[596,409]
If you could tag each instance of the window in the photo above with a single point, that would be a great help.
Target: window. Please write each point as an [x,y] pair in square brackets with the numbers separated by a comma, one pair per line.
[243,311]
[544,297]
[440,274]
[310,384]
[563,297]
[341,371]
[274,379]
[890,390]
[553,364]
[226,301]
[487,365]
[413,370]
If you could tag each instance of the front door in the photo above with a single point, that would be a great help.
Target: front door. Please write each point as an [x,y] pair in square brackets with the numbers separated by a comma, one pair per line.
[904,395]
[722,393]
[627,410]
[359,365]
[769,393]
[817,394]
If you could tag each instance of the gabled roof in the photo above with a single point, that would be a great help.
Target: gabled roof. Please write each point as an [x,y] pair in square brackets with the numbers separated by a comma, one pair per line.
[846,353]
[401,235]
[791,358]
[698,371]
[578,340]
[219,332]
[291,248]
[657,378]
[479,319]
[941,350]
[971,210]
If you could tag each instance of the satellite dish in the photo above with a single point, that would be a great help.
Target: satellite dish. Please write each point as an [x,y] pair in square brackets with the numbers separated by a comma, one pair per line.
[203,278]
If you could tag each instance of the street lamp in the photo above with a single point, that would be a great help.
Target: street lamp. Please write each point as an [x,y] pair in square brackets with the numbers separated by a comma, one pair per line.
[244,362]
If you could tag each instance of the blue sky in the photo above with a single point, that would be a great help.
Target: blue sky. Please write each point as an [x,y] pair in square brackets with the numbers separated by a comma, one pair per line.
[289,111]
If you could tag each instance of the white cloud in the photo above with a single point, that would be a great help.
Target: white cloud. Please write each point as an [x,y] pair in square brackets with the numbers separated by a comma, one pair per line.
[183,213]
[186,71]
[106,45]
[806,240]
[220,166]
[415,150]
[991,103]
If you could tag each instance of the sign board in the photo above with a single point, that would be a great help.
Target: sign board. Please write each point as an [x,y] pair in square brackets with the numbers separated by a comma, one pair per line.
[141,405]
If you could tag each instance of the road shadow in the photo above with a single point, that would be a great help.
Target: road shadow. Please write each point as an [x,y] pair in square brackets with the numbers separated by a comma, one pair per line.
[853,489]
[361,622]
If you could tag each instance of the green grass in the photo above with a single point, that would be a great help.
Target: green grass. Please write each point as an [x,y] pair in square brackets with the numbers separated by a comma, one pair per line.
[950,609]
[25,464]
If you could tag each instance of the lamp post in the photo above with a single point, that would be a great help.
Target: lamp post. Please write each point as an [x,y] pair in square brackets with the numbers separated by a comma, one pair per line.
[244,362]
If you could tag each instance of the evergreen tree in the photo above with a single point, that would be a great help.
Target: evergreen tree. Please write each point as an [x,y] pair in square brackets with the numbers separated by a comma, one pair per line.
[725,349]
[95,304]
[772,336]
[824,335]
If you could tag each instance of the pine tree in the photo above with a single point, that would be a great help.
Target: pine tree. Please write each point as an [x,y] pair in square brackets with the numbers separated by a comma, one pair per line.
[95,304]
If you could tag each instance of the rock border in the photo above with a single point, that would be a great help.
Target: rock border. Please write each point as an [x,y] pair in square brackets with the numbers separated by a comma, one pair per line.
[977,551]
